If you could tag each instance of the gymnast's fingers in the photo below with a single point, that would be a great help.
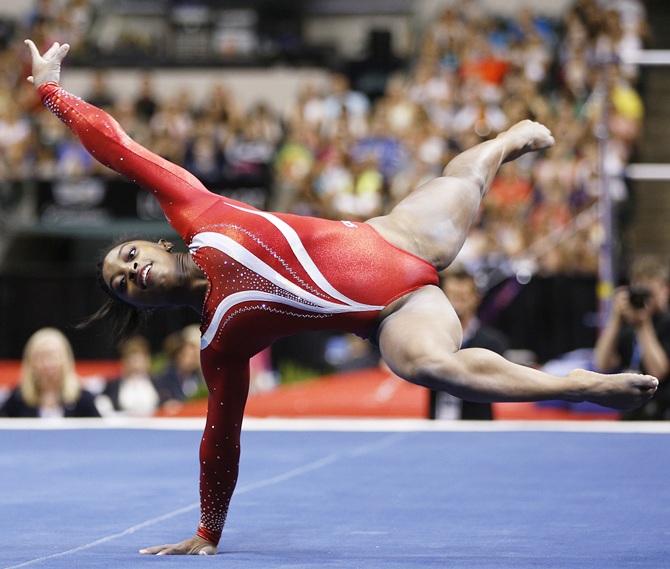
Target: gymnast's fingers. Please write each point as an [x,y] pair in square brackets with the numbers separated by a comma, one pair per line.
[156,549]
[61,52]
[192,546]
[49,53]
[34,52]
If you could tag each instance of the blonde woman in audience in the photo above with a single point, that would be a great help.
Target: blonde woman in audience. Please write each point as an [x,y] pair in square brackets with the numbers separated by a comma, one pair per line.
[49,385]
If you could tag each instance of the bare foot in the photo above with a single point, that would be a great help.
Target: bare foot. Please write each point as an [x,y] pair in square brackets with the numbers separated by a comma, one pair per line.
[621,391]
[526,136]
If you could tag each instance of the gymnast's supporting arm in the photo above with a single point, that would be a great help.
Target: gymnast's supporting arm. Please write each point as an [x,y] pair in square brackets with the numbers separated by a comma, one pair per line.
[219,453]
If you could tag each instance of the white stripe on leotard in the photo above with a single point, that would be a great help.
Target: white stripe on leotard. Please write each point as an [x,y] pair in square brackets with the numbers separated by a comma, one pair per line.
[293,239]
[303,300]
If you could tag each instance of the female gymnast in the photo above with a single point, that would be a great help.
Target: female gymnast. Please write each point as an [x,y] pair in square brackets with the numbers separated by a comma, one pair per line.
[255,276]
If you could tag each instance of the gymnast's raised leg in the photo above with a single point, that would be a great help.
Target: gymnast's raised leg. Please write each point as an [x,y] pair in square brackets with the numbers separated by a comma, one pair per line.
[420,334]
[433,221]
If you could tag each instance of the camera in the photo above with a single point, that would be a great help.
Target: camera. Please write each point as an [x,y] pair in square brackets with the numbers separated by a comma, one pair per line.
[638,296]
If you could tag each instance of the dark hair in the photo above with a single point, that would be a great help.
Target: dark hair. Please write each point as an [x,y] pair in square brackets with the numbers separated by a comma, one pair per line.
[123,319]
[457,273]
[460,274]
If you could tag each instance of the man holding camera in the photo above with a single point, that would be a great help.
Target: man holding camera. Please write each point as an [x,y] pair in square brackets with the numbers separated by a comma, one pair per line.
[637,334]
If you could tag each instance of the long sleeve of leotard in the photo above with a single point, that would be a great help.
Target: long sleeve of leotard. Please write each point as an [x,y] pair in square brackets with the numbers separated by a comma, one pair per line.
[228,383]
[181,195]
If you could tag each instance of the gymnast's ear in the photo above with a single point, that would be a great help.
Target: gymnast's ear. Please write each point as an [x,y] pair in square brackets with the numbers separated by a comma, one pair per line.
[166,245]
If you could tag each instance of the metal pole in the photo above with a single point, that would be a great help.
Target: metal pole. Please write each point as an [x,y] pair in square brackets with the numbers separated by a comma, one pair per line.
[605,289]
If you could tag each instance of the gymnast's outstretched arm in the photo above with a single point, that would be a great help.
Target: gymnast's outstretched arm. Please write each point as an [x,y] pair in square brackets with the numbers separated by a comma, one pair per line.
[177,190]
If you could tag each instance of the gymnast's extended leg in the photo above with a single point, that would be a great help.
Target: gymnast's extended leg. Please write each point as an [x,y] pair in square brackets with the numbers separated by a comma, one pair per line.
[420,342]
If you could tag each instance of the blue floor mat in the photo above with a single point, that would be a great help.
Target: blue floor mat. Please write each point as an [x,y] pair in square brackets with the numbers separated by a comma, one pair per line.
[92,497]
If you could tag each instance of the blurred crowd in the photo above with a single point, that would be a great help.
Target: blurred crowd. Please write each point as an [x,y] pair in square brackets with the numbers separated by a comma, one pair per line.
[338,153]
[147,384]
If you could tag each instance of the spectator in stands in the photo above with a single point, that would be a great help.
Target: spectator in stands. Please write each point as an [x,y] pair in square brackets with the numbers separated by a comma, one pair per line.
[75,18]
[249,154]
[482,65]
[293,164]
[42,10]
[14,128]
[363,198]
[49,386]
[400,111]
[146,103]
[308,107]
[133,392]
[637,333]
[266,124]
[476,115]
[72,161]
[100,91]
[171,126]
[461,290]
[204,156]
[332,177]
[182,380]
[221,108]
[342,102]
[380,146]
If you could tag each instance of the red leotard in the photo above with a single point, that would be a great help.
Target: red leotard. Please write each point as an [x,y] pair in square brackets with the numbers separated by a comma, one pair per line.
[269,275]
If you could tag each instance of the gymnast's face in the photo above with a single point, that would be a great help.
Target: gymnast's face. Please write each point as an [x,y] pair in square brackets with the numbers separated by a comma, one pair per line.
[141,273]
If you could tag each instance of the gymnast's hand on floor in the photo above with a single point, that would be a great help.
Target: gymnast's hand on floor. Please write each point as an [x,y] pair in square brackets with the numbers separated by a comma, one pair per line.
[46,68]
[193,546]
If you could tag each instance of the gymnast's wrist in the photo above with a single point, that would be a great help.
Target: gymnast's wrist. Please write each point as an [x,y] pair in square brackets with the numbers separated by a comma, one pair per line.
[209,535]
[46,89]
